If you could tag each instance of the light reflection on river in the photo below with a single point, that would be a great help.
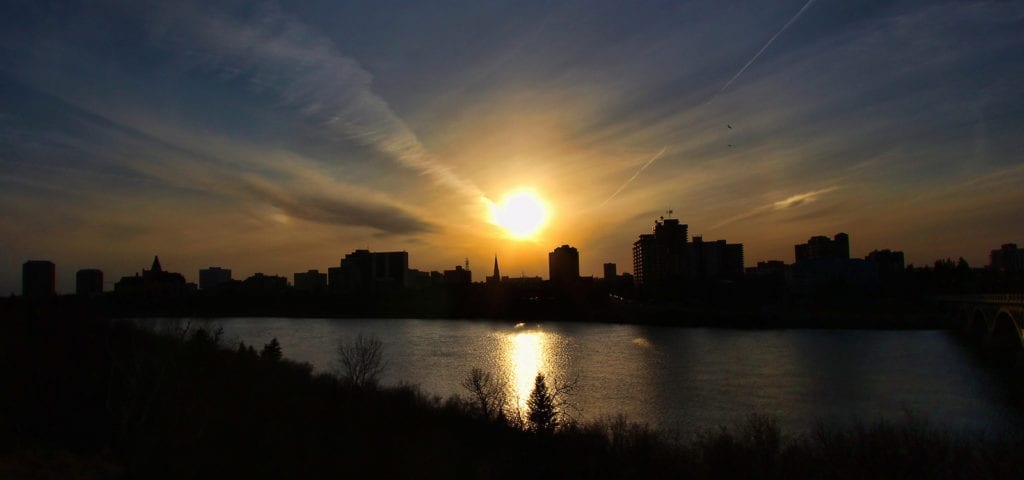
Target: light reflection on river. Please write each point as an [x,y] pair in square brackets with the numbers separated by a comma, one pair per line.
[523,356]
[685,379]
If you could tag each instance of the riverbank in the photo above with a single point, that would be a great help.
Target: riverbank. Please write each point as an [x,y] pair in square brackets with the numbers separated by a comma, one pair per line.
[928,316]
[95,398]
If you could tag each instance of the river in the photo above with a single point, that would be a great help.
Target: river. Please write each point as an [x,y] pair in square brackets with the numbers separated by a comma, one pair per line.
[674,378]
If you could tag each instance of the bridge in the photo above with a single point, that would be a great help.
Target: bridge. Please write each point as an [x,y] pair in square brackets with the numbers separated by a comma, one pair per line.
[997,321]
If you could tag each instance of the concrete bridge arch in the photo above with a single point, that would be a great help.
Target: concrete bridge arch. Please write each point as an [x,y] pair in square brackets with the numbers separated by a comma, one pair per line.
[1006,332]
[996,321]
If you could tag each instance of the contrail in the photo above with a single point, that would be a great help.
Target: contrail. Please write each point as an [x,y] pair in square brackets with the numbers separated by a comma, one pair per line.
[649,162]
[765,47]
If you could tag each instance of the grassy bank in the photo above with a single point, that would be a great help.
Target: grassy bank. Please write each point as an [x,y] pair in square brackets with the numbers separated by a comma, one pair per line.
[92,398]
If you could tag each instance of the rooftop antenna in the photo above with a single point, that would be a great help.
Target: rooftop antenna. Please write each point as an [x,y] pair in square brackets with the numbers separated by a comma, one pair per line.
[669,212]
[467,263]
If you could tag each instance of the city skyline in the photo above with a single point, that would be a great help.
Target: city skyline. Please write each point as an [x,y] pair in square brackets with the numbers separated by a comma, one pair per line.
[276,137]
[1006,257]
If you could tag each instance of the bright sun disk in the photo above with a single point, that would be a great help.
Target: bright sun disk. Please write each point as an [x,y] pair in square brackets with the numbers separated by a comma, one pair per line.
[521,214]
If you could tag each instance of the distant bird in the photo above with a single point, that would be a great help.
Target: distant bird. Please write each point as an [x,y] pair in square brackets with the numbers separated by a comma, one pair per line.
[730,126]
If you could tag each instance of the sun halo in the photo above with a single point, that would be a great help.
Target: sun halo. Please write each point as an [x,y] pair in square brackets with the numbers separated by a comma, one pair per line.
[522,214]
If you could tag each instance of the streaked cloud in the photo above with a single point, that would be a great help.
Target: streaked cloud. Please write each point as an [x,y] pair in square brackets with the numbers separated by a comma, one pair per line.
[277,54]
[791,202]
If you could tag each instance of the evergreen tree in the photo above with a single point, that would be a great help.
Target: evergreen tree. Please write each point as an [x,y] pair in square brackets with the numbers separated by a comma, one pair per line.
[272,350]
[541,408]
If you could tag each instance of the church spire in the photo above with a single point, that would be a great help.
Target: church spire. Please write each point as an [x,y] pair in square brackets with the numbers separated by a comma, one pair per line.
[156,264]
[497,276]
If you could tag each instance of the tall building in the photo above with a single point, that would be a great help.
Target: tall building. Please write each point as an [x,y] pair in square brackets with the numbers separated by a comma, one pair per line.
[213,277]
[610,271]
[660,258]
[1008,258]
[713,260]
[819,247]
[89,282]
[38,279]
[363,270]
[310,281]
[564,264]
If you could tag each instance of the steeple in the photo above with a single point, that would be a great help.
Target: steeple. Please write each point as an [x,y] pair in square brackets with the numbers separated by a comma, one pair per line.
[156,265]
[497,275]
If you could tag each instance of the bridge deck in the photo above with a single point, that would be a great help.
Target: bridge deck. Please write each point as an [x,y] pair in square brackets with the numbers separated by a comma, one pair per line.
[1016,299]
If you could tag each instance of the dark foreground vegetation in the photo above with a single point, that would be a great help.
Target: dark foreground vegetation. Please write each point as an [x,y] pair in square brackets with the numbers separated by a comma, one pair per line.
[93,398]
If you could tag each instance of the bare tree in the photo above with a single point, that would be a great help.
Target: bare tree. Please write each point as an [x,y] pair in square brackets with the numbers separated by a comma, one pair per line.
[362,361]
[490,393]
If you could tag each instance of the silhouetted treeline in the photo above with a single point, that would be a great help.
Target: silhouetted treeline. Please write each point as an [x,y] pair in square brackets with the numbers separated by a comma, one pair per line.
[86,397]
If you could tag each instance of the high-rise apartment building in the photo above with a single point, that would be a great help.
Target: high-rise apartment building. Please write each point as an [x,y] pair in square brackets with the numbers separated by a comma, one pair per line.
[564,265]
[38,279]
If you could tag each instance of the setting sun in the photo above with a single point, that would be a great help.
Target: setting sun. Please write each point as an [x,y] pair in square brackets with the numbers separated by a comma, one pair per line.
[522,214]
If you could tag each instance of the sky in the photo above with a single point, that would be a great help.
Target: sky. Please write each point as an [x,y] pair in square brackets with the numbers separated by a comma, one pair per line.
[277,136]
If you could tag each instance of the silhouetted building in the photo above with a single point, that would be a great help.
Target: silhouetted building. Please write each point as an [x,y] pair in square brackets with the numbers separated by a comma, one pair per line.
[767,268]
[260,284]
[1008,258]
[213,277]
[38,279]
[310,281]
[334,279]
[660,258]
[89,282]
[496,278]
[421,280]
[818,247]
[610,271]
[154,282]
[363,271]
[824,271]
[524,281]
[886,261]
[564,265]
[458,276]
[714,260]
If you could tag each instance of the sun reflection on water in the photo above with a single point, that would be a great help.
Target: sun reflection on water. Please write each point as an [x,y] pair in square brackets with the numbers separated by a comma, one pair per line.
[525,356]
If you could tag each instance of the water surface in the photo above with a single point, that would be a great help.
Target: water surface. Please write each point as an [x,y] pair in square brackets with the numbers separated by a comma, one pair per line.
[684,379]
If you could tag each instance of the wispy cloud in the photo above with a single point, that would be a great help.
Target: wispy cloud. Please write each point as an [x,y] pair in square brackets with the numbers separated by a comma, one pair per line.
[793,201]
[278,54]
[172,157]
[334,208]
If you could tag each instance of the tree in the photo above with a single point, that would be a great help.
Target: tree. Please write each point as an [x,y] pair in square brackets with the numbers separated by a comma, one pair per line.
[541,413]
[362,361]
[271,351]
[491,394]
[246,351]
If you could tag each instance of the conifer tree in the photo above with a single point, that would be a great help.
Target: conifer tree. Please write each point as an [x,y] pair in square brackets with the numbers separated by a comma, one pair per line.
[540,406]
[272,350]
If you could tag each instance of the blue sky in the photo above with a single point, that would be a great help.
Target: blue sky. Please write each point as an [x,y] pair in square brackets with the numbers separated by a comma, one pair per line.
[278,136]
